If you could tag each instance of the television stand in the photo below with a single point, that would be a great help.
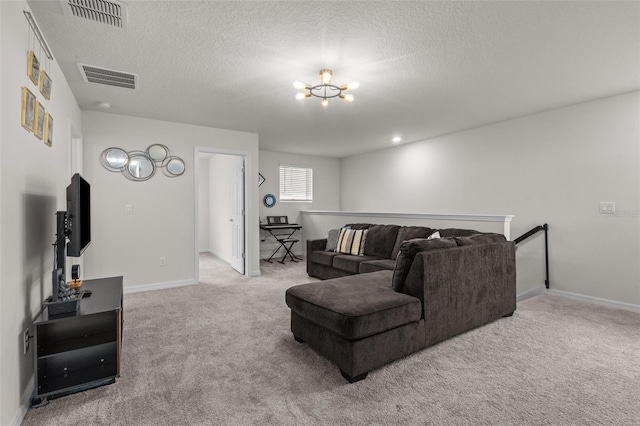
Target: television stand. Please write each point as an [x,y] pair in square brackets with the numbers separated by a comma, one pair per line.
[80,350]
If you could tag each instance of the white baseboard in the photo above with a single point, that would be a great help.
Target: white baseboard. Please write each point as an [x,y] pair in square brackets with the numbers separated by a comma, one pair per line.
[598,300]
[158,286]
[28,395]
[255,273]
[530,293]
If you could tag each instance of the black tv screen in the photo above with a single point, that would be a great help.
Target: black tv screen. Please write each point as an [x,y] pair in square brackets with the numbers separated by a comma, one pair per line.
[78,215]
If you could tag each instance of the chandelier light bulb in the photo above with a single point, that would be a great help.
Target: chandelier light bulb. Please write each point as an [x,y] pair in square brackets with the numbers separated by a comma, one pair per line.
[299,85]
[353,85]
[300,96]
[325,102]
[348,98]
[325,76]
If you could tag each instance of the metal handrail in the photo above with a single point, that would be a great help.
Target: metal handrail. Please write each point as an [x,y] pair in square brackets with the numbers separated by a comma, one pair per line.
[535,230]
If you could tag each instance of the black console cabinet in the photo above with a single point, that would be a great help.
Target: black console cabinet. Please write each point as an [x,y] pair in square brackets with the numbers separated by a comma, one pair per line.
[81,350]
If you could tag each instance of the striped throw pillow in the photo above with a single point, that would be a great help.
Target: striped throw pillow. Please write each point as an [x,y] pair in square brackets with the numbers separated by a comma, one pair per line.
[351,241]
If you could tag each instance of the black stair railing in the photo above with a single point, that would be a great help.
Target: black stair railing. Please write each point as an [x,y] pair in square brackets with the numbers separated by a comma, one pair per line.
[535,230]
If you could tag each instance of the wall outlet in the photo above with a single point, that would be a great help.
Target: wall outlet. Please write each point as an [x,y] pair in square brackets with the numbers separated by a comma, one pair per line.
[128,209]
[607,207]
[163,261]
[25,341]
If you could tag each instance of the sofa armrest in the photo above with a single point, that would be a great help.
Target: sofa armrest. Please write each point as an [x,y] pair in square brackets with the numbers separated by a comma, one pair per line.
[463,287]
[315,245]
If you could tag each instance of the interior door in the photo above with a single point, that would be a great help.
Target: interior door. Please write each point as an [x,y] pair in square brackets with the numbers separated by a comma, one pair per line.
[237,214]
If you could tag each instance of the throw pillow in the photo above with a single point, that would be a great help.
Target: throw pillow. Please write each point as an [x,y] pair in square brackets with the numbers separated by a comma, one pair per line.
[332,240]
[434,236]
[408,251]
[351,241]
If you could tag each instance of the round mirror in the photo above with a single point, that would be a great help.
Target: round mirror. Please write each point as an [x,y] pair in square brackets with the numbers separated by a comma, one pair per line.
[157,153]
[139,167]
[114,159]
[173,166]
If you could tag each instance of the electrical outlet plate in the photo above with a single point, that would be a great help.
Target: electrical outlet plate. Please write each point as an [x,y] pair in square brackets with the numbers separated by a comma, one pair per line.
[607,207]
[163,261]
[25,341]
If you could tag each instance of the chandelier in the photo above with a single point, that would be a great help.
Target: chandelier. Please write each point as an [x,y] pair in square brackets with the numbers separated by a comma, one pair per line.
[325,90]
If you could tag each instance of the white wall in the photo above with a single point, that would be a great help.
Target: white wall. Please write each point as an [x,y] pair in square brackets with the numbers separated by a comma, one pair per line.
[163,220]
[220,185]
[326,191]
[203,205]
[553,167]
[33,178]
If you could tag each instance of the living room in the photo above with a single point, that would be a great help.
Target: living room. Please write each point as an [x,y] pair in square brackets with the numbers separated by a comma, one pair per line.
[572,144]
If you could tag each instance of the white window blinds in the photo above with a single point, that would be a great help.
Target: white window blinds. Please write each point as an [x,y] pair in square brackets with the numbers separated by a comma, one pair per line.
[296,183]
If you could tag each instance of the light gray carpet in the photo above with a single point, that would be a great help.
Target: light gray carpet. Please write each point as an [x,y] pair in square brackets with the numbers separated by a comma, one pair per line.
[222,354]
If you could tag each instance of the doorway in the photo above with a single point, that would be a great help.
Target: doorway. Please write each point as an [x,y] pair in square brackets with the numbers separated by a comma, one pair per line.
[220,213]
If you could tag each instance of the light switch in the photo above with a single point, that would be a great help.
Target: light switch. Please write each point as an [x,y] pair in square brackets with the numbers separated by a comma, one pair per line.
[607,207]
[128,209]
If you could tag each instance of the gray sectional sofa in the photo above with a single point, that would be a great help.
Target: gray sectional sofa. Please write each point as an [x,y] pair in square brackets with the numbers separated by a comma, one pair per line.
[374,309]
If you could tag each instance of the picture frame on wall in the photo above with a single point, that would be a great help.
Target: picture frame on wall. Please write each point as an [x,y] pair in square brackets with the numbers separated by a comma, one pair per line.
[33,67]
[48,130]
[28,109]
[45,84]
[39,121]
[261,179]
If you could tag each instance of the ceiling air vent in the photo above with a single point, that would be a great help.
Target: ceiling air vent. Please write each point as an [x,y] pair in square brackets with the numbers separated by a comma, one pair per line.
[107,77]
[106,12]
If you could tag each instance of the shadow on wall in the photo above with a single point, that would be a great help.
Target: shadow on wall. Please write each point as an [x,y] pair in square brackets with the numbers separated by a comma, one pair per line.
[38,231]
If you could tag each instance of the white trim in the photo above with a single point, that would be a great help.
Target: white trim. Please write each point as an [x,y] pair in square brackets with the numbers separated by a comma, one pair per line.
[530,293]
[505,218]
[158,286]
[598,300]
[255,273]
[28,395]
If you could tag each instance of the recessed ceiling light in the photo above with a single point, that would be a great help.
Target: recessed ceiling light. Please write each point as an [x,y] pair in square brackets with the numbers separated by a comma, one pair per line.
[104,105]
[396,139]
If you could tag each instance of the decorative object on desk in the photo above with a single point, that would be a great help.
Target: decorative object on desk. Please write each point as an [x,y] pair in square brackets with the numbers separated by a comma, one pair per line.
[33,67]
[38,129]
[269,200]
[139,166]
[260,179]
[76,282]
[325,90]
[45,84]
[28,109]
[48,130]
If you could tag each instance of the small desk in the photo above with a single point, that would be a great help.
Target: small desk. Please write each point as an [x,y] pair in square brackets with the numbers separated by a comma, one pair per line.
[283,239]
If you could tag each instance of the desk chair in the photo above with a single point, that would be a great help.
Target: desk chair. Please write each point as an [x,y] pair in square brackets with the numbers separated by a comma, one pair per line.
[283,239]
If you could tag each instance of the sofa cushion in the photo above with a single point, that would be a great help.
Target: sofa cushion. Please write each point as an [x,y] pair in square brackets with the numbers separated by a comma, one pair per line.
[322,257]
[352,241]
[408,251]
[376,265]
[356,306]
[358,225]
[457,232]
[350,262]
[480,239]
[409,233]
[380,240]
[332,240]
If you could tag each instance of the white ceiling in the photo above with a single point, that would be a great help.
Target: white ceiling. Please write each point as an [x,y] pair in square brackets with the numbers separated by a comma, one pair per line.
[425,68]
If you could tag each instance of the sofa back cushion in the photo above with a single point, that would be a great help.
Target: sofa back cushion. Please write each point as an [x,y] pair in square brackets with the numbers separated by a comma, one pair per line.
[380,240]
[332,240]
[480,239]
[358,225]
[352,241]
[409,233]
[407,253]
[457,232]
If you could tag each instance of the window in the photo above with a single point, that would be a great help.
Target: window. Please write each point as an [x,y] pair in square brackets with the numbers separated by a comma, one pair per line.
[296,184]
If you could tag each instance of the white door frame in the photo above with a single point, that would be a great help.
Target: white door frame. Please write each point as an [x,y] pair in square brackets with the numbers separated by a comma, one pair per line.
[246,155]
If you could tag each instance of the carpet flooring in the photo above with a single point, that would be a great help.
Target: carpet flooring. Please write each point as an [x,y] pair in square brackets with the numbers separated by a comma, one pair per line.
[221,353]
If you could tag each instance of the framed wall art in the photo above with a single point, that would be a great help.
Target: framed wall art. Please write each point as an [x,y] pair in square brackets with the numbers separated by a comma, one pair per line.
[45,84]
[28,109]
[38,121]
[33,67]
[48,130]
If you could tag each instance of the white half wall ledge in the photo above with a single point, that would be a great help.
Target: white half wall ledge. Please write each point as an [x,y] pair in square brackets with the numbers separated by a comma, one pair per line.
[504,218]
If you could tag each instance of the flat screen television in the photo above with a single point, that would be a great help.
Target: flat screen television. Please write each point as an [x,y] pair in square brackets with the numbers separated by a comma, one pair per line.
[78,215]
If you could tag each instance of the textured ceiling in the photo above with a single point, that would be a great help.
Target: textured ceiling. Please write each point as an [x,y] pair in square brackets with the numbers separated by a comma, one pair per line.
[425,68]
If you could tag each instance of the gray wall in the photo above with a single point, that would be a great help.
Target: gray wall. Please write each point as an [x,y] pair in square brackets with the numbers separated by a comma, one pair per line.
[553,167]
[33,178]
[326,190]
